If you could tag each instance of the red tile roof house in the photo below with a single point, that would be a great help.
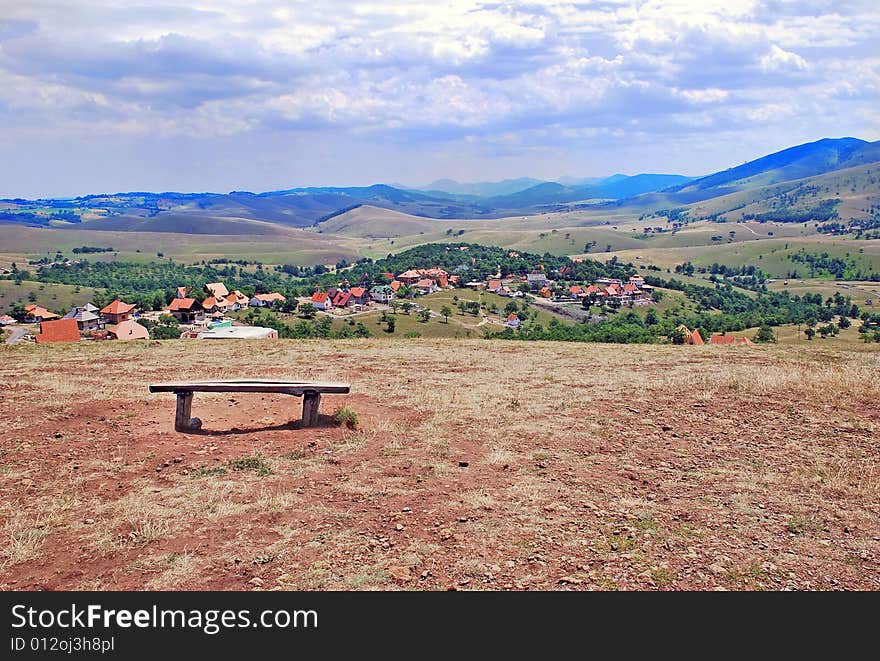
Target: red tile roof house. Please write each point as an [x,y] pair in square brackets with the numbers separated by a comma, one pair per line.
[396,285]
[342,299]
[62,330]
[262,300]
[37,313]
[186,310]
[213,305]
[321,300]
[426,286]
[128,330]
[217,289]
[237,300]
[117,312]
[359,295]
[493,285]
[512,321]
[410,277]
[545,292]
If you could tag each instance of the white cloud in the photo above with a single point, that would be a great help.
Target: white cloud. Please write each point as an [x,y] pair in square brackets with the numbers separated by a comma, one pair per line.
[782,60]
[414,74]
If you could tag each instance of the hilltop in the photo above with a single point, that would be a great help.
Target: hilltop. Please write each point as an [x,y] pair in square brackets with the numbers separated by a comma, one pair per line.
[474,465]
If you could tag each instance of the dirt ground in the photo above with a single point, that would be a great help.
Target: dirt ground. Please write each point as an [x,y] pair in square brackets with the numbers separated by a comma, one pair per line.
[475,465]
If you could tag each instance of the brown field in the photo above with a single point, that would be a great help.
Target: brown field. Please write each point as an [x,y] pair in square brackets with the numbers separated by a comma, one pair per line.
[475,465]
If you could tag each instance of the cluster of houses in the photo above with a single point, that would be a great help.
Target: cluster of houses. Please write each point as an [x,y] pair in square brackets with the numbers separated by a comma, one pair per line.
[110,322]
[413,281]
[220,301]
[635,291]
[116,320]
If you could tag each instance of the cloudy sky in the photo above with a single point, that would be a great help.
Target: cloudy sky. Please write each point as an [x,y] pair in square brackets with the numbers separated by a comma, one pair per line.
[99,96]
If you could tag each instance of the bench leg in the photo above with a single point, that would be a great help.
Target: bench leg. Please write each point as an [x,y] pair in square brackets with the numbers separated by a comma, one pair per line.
[182,420]
[311,402]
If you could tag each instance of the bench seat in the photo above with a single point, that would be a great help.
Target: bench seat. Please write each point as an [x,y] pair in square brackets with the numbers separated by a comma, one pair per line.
[310,391]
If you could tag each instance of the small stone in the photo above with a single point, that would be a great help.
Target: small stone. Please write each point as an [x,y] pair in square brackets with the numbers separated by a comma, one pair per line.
[90,521]
[407,509]
[400,573]
[256,581]
[666,428]
[58,434]
[398,527]
[570,579]
[463,464]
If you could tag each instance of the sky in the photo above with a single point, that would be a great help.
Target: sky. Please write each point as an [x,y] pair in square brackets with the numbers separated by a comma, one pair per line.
[219,95]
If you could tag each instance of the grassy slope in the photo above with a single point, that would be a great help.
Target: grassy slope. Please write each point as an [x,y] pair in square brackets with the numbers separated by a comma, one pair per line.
[55,298]
[285,246]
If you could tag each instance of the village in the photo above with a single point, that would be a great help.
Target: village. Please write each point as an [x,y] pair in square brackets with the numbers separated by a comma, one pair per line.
[209,314]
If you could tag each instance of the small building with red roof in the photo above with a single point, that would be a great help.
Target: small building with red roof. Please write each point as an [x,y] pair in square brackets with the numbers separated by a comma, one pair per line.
[342,299]
[186,310]
[321,300]
[128,330]
[117,311]
[61,330]
[359,295]
[37,313]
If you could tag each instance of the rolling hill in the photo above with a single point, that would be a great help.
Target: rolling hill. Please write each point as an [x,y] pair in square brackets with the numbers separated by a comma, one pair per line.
[235,212]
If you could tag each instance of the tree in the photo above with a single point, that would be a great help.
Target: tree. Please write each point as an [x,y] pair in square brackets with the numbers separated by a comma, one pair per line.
[407,306]
[446,311]
[391,325]
[362,331]
[765,334]
[164,333]
[651,319]
[308,310]
[828,329]
[424,314]
[810,333]
[678,336]
[844,322]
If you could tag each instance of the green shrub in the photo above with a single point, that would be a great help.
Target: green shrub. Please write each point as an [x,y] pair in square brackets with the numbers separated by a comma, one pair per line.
[255,462]
[345,417]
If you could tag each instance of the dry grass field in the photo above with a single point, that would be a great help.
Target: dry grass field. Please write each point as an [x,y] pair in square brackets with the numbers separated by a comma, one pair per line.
[475,465]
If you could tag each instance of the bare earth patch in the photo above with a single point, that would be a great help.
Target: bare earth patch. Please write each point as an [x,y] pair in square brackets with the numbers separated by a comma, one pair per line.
[475,465]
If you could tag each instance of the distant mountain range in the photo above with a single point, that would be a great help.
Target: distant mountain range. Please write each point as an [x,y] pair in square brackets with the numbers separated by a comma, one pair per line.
[302,207]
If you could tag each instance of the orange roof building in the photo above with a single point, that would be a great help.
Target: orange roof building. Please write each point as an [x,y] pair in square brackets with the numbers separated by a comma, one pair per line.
[494,285]
[545,292]
[217,289]
[395,285]
[117,311]
[271,298]
[129,330]
[62,330]
[39,313]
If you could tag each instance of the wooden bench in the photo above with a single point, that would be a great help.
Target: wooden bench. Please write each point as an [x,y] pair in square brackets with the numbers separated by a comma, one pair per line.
[309,391]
